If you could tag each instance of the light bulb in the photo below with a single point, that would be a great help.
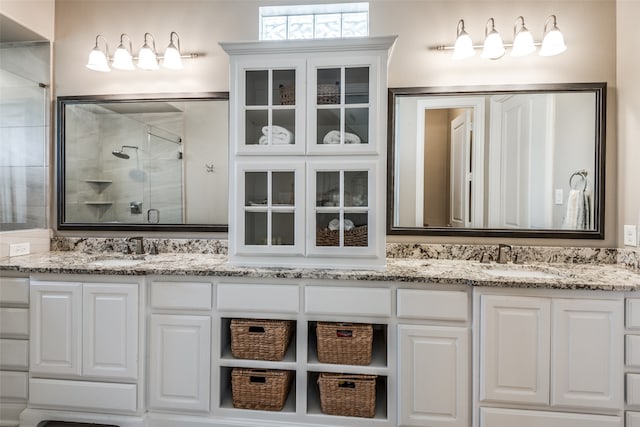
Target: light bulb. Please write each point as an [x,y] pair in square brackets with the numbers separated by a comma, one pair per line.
[98,61]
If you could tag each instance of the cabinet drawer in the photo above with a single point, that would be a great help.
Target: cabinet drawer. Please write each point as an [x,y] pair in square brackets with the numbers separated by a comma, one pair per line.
[633,389]
[14,322]
[14,290]
[434,305]
[14,354]
[266,298]
[494,417]
[92,396]
[632,350]
[348,301]
[181,295]
[633,419]
[13,385]
[633,313]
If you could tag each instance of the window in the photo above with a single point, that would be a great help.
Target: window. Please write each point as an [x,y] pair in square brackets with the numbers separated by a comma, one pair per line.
[314,21]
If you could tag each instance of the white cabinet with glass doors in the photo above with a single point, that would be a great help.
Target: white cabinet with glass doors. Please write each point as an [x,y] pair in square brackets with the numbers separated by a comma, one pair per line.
[307,149]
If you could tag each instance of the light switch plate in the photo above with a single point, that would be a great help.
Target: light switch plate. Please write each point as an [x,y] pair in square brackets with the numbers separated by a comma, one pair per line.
[559,196]
[630,235]
[18,249]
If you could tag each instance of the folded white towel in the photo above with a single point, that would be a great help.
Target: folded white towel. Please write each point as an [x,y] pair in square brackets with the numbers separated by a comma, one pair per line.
[279,135]
[333,137]
[334,224]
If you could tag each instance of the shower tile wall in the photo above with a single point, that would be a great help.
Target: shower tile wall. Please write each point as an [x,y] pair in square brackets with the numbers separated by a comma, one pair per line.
[24,136]
[100,186]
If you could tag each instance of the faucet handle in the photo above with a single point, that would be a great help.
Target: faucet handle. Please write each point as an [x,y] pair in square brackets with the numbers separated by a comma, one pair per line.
[484,258]
[502,247]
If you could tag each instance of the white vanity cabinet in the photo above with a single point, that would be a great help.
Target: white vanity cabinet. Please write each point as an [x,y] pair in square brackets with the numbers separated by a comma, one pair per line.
[308,152]
[84,345]
[434,358]
[180,346]
[551,353]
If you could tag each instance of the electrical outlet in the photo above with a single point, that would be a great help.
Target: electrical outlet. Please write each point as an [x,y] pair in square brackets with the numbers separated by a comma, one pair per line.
[630,235]
[559,196]
[18,249]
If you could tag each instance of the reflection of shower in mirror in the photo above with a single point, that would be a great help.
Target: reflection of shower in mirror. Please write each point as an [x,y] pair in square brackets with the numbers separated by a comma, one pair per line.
[121,154]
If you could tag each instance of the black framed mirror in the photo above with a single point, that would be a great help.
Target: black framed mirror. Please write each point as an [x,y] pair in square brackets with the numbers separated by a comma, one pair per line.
[497,161]
[143,162]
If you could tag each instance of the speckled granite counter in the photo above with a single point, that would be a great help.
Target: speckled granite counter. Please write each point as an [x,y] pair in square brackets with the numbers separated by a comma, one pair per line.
[610,277]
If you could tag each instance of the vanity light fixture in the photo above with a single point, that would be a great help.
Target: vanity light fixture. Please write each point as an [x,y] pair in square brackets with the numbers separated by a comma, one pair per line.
[553,41]
[123,57]
[147,59]
[523,43]
[494,48]
[98,58]
[463,48]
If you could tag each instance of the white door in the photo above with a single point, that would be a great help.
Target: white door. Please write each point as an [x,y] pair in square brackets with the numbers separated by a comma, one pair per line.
[56,328]
[460,171]
[588,354]
[434,383]
[514,349]
[110,334]
[180,353]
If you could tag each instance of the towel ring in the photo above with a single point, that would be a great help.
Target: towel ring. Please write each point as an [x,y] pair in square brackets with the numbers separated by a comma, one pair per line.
[582,174]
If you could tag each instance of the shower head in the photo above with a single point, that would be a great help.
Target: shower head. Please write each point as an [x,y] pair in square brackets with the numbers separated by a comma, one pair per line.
[121,154]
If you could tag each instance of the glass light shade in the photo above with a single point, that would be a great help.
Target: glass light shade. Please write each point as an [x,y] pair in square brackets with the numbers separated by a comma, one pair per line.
[523,44]
[122,59]
[553,43]
[98,61]
[493,46]
[147,58]
[463,48]
[172,59]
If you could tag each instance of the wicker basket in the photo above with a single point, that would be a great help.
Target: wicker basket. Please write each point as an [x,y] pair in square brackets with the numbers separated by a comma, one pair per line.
[357,236]
[328,93]
[344,343]
[350,395]
[260,339]
[287,94]
[265,389]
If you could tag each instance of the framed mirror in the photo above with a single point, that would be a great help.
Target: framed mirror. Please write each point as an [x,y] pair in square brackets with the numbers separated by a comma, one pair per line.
[150,162]
[510,161]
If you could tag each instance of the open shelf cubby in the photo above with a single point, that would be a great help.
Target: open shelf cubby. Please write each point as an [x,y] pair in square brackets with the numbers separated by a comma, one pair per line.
[226,394]
[228,359]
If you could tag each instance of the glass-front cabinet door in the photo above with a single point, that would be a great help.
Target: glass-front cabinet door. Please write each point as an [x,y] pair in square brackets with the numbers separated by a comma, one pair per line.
[342,107]
[272,105]
[343,198]
[272,208]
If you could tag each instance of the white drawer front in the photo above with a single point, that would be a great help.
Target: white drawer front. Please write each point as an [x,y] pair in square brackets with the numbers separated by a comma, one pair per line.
[10,413]
[434,305]
[632,350]
[14,354]
[14,322]
[633,389]
[14,290]
[181,295]
[633,419]
[265,298]
[348,301]
[92,396]
[13,385]
[494,417]
[633,313]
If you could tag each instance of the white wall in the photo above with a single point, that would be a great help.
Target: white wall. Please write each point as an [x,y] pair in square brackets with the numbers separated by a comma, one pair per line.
[37,15]
[628,64]
[419,24]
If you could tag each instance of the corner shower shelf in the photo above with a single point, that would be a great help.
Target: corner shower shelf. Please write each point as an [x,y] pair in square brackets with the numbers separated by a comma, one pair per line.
[98,181]
[98,185]
[98,203]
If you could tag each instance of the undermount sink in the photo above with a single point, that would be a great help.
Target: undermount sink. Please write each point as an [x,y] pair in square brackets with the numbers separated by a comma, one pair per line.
[520,273]
[116,262]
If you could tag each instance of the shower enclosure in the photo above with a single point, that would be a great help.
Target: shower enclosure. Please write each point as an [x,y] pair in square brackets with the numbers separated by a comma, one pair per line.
[24,135]
[123,167]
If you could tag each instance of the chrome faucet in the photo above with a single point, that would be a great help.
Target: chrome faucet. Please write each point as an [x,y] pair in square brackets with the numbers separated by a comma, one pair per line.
[139,250]
[502,253]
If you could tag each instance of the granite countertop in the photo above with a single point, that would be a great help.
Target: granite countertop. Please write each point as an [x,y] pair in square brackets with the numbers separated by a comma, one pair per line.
[610,277]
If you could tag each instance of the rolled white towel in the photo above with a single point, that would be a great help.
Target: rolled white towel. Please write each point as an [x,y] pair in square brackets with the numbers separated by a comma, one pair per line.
[333,137]
[334,224]
[279,135]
